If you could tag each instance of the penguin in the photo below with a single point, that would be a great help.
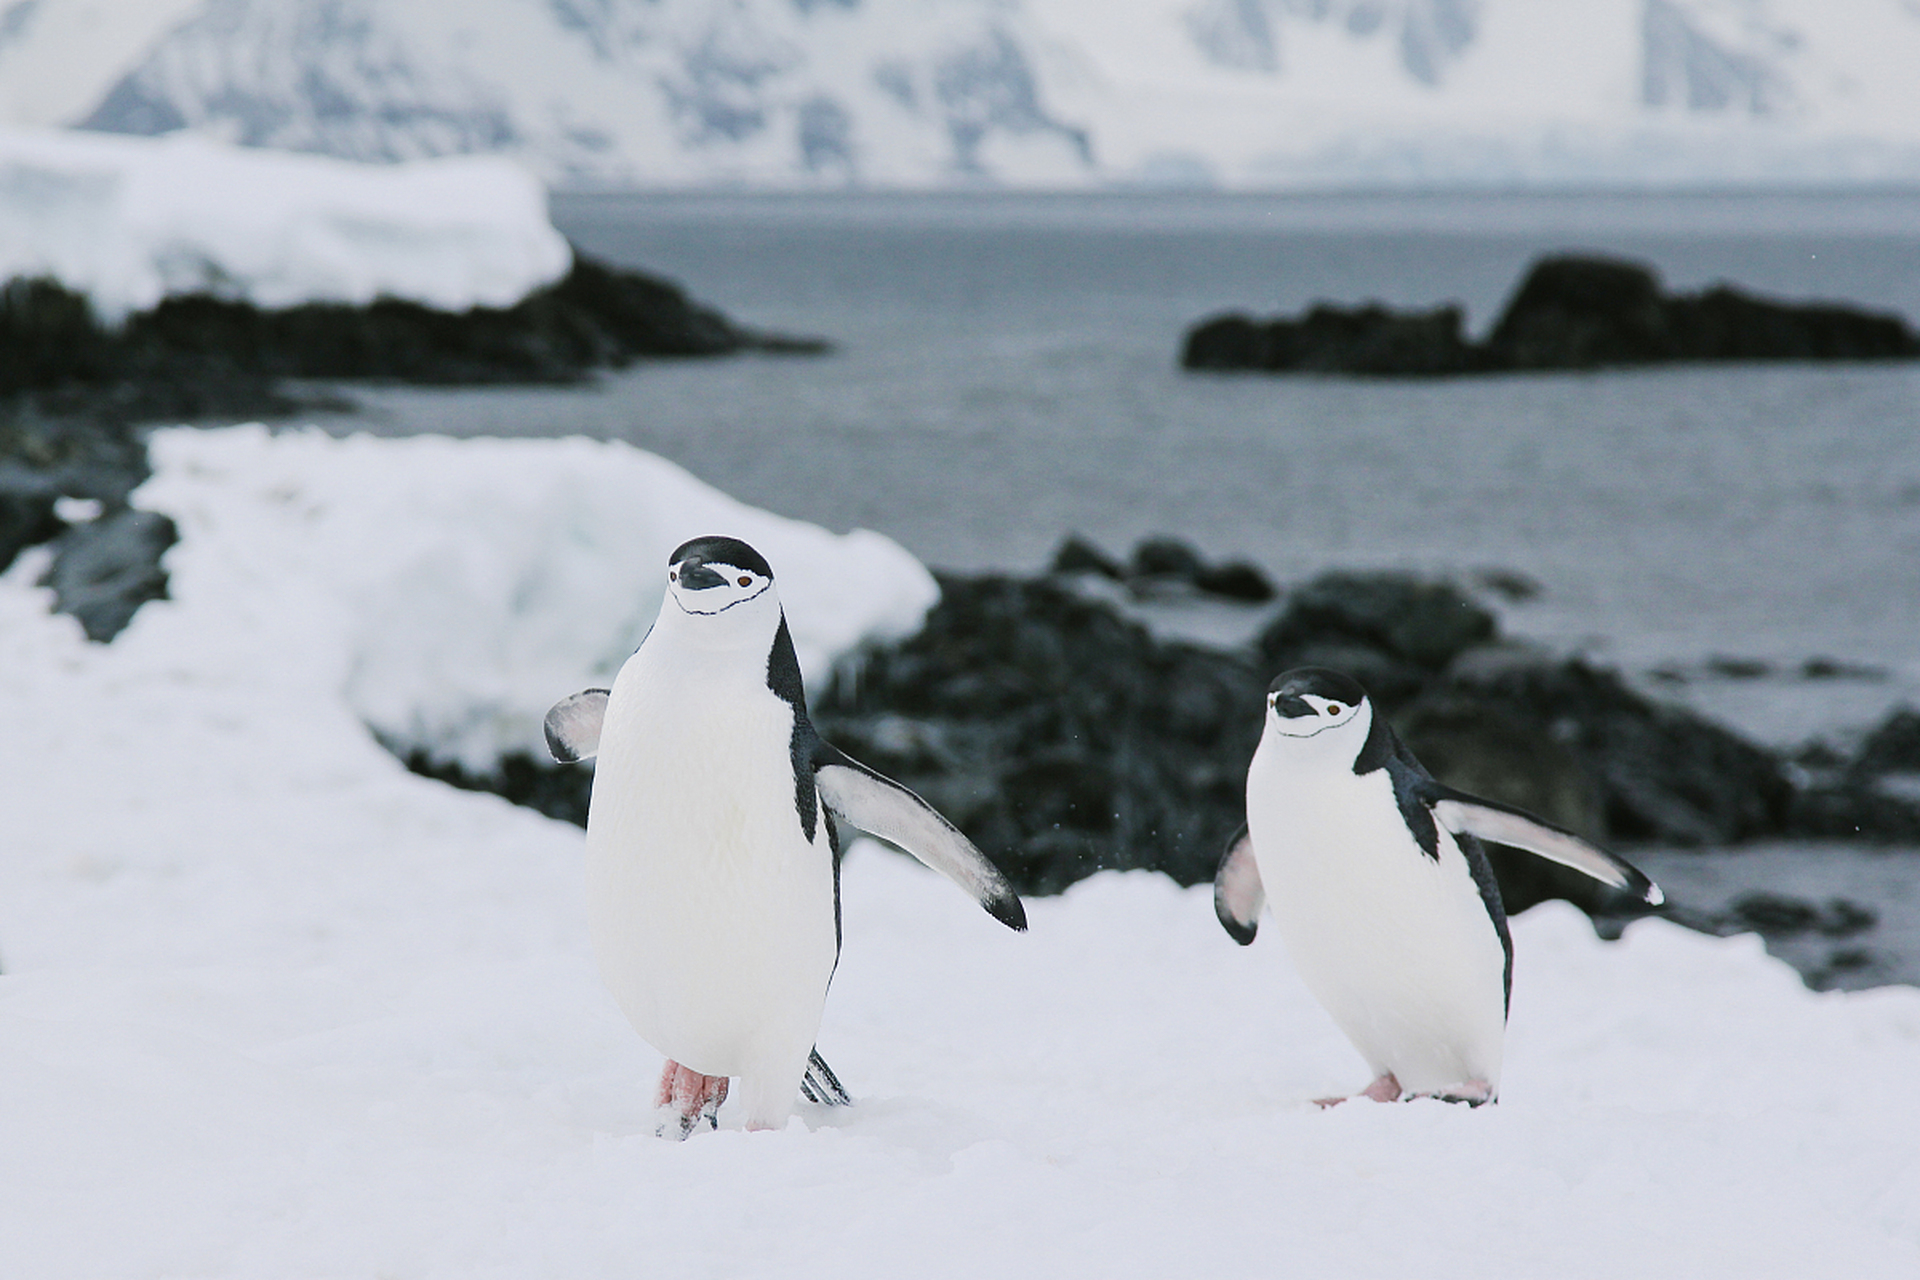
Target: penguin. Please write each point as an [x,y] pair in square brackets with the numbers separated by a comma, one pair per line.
[1381,891]
[713,857]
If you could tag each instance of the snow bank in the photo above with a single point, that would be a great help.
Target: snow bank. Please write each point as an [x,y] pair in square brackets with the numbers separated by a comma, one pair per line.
[276,1007]
[129,221]
[451,592]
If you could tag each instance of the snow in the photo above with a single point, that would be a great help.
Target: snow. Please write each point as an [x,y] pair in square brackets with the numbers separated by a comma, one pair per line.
[129,221]
[274,1006]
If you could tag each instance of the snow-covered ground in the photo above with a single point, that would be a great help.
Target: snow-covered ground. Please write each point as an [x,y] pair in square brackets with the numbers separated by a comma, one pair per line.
[129,221]
[275,1007]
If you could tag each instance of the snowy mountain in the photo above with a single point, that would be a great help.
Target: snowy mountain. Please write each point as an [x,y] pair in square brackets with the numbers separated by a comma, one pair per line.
[1233,93]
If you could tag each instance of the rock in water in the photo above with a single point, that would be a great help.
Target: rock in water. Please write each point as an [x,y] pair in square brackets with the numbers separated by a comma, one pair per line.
[1571,312]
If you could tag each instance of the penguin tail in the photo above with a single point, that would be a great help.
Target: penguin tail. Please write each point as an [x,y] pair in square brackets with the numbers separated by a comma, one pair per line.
[820,1085]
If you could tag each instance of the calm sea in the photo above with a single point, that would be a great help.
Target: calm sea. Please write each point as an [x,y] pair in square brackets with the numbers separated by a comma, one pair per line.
[1006,375]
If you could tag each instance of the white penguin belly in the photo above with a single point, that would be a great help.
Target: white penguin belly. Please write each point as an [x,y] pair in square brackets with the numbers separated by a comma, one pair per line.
[1397,947]
[710,913]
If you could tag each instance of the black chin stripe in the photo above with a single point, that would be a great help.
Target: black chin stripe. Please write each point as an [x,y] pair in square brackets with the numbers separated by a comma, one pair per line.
[714,613]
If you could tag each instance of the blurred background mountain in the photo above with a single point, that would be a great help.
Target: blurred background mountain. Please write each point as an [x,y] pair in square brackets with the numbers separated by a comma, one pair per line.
[1231,94]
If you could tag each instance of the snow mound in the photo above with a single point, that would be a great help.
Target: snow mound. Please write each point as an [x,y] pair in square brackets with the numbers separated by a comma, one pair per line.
[289,1010]
[129,221]
[452,591]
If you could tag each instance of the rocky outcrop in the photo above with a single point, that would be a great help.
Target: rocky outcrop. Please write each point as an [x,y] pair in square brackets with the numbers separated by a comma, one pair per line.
[1064,737]
[196,355]
[1570,312]
[74,393]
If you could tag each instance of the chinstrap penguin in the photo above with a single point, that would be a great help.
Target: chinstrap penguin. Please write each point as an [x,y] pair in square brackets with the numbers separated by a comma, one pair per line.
[1381,891]
[713,862]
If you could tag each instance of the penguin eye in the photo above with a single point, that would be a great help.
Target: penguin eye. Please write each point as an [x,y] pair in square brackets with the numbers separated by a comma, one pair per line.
[672,576]
[1333,708]
[745,581]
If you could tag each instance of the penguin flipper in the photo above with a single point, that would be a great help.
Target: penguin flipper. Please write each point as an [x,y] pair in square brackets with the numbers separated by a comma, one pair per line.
[877,804]
[820,1085]
[1496,823]
[1238,895]
[573,726]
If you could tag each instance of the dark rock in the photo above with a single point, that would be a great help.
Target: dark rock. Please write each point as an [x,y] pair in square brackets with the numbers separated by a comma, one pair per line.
[1062,738]
[106,569]
[1508,584]
[1662,773]
[1329,339]
[1894,747]
[1823,668]
[1485,749]
[1738,668]
[1579,313]
[1852,808]
[1235,580]
[1570,312]
[26,520]
[1411,620]
[1162,563]
[1164,557]
[1777,916]
[72,390]
[197,355]
[1077,555]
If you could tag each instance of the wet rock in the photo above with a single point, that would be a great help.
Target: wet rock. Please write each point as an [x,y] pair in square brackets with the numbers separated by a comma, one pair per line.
[1160,565]
[1064,738]
[104,570]
[1061,737]
[1661,772]
[1570,312]
[1164,557]
[1852,808]
[26,520]
[1329,339]
[1779,916]
[1411,621]
[1893,747]
[197,355]
[1077,555]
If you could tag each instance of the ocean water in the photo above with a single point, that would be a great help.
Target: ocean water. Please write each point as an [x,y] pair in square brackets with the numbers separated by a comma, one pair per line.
[1006,374]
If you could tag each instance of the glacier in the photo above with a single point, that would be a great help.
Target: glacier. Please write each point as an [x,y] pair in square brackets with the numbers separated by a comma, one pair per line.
[1235,94]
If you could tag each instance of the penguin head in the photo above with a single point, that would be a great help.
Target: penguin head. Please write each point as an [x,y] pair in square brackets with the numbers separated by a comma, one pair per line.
[1319,704]
[721,581]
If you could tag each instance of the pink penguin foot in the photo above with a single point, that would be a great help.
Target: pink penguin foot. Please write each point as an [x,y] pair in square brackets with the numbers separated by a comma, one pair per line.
[687,1098]
[1385,1089]
[1474,1093]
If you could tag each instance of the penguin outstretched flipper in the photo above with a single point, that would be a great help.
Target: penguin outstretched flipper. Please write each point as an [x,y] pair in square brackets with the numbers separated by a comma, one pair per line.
[876,803]
[820,1085]
[573,726]
[1497,823]
[1238,895]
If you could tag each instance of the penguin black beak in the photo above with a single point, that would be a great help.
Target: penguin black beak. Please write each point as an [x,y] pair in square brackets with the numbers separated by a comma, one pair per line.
[1291,706]
[695,576]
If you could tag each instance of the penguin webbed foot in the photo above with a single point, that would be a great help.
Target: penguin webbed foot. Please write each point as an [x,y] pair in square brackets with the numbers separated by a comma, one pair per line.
[1474,1093]
[684,1099]
[1385,1088]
